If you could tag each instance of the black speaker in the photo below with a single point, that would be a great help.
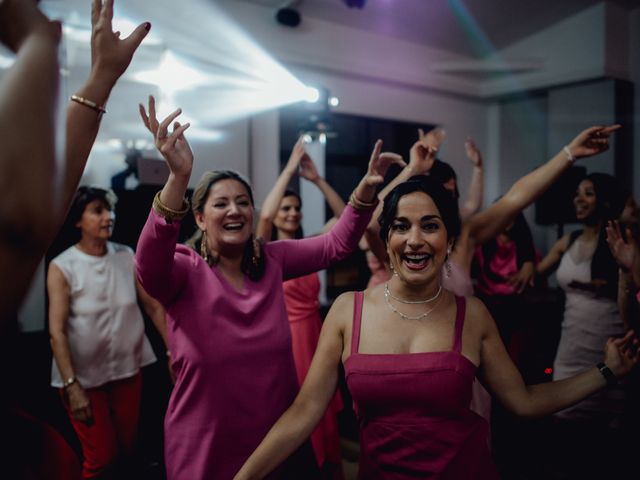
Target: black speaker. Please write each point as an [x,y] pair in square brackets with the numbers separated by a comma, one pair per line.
[555,206]
[288,16]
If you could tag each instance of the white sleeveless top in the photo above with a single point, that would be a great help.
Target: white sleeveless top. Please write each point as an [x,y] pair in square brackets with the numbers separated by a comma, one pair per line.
[105,328]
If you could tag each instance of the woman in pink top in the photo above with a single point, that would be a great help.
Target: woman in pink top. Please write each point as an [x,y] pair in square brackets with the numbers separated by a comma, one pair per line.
[227,324]
[410,351]
[280,219]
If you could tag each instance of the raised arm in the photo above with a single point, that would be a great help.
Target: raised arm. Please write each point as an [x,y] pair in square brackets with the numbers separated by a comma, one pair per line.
[296,424]
[626,251]
[476,187]
[271,204]
[309,172]
[488,223]
[316,253]
[27,159]
[504,380]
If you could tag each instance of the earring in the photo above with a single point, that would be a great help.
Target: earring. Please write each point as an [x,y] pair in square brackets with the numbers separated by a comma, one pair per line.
[204,251]
[393,270]
[447,263]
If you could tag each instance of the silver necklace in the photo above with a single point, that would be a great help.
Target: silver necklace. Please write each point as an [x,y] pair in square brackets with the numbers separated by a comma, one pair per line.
[387,292]
[404,315]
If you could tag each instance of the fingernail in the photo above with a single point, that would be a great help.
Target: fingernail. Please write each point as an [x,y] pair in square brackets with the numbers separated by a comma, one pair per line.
[147,26]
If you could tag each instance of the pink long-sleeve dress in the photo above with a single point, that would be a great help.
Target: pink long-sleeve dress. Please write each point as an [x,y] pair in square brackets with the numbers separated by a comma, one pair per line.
[231,349]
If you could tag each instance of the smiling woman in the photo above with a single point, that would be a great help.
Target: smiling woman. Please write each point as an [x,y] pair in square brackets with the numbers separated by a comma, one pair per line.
[411,374]
[227,325]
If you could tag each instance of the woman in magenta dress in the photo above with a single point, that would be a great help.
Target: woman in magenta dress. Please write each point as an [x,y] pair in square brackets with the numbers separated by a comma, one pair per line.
[280,219]
[411,351]
[226,321]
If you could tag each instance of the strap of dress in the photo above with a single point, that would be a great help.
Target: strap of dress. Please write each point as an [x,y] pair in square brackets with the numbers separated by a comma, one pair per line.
[461,307]
[358,299]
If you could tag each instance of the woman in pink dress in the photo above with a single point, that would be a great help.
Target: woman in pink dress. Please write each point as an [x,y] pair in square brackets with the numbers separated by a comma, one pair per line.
[411,350]
[280,219]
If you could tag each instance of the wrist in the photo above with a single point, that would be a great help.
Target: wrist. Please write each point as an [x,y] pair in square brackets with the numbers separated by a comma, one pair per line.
[70,381]
[568,153]
[610,377]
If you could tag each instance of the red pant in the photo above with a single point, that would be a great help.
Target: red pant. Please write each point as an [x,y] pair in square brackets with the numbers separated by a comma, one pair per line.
[116,409]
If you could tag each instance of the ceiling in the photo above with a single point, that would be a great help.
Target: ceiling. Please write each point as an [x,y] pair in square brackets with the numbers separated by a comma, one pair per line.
[450,25]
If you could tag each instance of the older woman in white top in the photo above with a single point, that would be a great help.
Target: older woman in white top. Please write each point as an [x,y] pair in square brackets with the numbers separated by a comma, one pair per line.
[97,334]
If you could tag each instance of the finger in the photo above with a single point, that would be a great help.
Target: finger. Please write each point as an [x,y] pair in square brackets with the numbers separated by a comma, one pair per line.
[164,126]
[96,8]
[377,148]
[107,11]
[134,40]
[152,109]
[420,133]
[143,115]
[177,133]
[610,129]
[117,34]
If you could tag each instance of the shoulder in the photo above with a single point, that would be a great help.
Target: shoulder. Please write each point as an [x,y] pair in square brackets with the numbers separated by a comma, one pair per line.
[566,240]
[477,317]
[343,302]
[341,311]
[121,248]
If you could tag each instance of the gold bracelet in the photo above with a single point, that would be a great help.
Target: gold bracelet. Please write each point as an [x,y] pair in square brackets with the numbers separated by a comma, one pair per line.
[359,204]
[88,103]
[169,213]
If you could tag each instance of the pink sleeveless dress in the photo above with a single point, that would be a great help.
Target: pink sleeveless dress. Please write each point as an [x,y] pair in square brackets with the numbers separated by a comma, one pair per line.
[413,409]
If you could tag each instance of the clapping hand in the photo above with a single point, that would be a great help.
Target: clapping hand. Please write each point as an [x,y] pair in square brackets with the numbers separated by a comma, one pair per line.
[473,152]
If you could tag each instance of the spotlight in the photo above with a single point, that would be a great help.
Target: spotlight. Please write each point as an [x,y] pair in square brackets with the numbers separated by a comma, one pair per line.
[334,101]
[288,17]
[312,95]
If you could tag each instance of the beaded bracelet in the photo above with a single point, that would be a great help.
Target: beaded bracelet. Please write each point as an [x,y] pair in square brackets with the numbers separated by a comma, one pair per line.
[88,103]
[169,213]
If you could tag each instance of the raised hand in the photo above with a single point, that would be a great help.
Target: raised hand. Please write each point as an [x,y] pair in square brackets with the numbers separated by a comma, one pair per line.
[591,141]
[379,163]
[308,169]
[297,154]
[433,138]
[624,249]
[111,55]
[622,354]
[174,147]
[473,152]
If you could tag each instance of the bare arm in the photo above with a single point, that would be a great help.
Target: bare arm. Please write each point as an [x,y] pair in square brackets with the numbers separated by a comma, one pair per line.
[488,223]
[297,423]
[476,187]
[59,307]
[504,380]
[154,310]
[27,160]
[271,204]
[309,172]
[550,262]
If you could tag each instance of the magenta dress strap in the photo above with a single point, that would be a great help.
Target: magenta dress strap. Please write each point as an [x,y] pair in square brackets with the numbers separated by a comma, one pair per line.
[461,307]
[358,299]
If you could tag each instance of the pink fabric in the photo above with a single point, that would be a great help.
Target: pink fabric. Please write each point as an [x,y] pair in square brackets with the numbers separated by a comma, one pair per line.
[301,300]
[504,264]
[414,412]
[231,348]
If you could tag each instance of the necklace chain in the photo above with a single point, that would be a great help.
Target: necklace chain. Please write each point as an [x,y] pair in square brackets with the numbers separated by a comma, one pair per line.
[387,292]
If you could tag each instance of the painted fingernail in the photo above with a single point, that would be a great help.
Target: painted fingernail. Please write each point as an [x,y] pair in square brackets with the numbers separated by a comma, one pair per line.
[147,26]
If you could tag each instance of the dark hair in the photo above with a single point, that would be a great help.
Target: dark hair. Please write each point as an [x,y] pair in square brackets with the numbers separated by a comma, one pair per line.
[84,196]
[443,172]
[445,203]
[299,232]
[251,266]
[610,200]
